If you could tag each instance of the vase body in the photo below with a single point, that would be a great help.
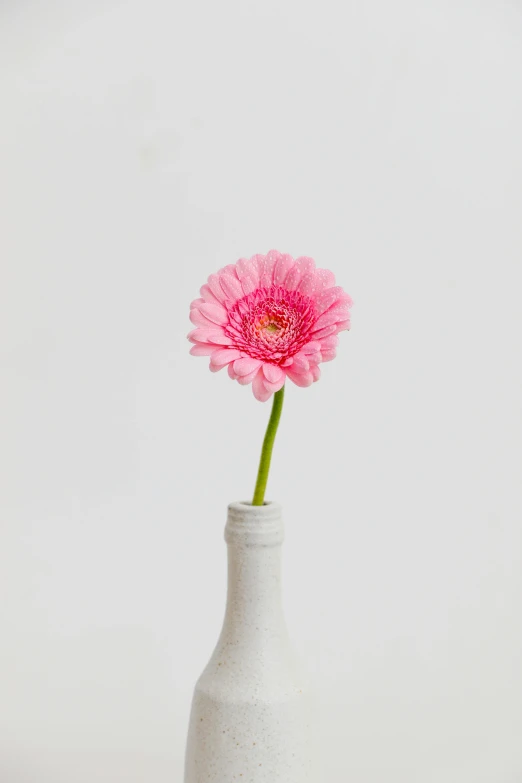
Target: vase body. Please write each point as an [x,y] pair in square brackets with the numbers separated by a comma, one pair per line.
[251,711]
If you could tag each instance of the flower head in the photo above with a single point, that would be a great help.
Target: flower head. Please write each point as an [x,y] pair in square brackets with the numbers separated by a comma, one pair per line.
[269,318]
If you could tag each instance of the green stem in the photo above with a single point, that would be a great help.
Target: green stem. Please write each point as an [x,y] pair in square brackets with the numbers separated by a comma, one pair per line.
[266,451]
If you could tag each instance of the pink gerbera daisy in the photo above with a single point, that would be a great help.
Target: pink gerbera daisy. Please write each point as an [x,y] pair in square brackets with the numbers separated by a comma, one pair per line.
[269,318]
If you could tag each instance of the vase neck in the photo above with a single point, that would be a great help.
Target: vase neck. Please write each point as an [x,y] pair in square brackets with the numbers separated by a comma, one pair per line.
[257,527]
[254,535]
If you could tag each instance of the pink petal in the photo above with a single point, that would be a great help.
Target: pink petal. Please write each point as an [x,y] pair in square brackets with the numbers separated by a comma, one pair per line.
[232,287]
[249,283]
[342,308]
[326,277]
[267,276]
[330,297]
[261,393]
[198,319]
[343,325]
[271,259]
[305,264]
[208,336]
[274,387]
[301,363]
[240,267]
[244,380]
[220,338]
[197,303]
[202,350]
[329,342]
[325,332]
[215,287]
[315,358]
[207,294]
[283,265]
[231,372]
[332,316]
[309,284]
[194,337]
[311,347]
[292,279]
[300,379]
[246,366]
[258,262]
[316,372]
[229,269]
[245,268]
[329,355]
[273,373]
[214,312]
[223,356]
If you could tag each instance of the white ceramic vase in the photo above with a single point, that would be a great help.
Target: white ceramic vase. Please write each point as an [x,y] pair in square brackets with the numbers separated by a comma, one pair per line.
[251,718]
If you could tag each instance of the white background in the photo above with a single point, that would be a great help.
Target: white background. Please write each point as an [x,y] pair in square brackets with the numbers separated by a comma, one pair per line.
[144,146]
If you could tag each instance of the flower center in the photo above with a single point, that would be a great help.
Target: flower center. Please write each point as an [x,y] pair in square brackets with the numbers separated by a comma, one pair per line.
[271,323]
[270,326]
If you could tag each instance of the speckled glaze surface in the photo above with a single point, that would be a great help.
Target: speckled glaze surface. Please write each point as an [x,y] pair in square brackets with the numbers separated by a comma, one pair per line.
[251,718]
